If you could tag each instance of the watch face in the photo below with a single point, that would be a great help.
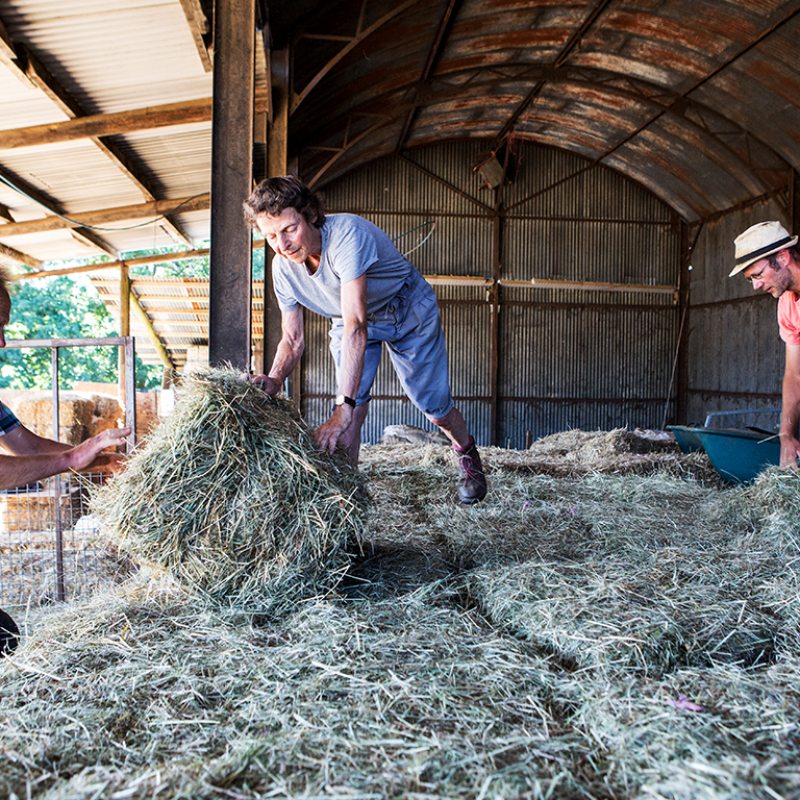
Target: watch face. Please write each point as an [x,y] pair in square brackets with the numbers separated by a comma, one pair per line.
[339,401]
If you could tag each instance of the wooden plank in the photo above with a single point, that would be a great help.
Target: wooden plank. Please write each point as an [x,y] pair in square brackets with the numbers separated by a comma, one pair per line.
[200,29]
[47,84]
[152,334]
[9,56]
[141,119]
[21,258]
[119,214]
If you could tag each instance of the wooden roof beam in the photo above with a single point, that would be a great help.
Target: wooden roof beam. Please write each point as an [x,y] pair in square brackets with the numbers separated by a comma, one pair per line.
[8,56]
[152,334]
[91,240]
[21,258]
[46,83]
[93,125]
[109,215]
[24,63]
[201,31]
[51,207]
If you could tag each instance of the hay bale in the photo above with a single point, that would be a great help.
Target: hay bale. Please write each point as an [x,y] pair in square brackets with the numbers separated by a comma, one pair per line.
[591,446]
[619,451]
[106,407]
[107,413]
[231,497]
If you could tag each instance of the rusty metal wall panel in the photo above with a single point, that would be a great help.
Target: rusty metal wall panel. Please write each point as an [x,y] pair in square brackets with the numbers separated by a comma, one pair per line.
[569,223]
[552,183]
[438,229]
[735,356]
[584,364]
[317,362]
[609,252]
[467,330]
[583,359]
[394,184]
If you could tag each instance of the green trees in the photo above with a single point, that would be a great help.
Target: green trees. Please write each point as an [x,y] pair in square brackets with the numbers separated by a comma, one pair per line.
[62,308]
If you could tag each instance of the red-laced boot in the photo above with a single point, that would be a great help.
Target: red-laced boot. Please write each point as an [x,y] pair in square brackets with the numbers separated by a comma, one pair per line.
[471,480]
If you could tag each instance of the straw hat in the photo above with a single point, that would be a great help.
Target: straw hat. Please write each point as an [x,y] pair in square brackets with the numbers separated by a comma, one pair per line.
[760,241]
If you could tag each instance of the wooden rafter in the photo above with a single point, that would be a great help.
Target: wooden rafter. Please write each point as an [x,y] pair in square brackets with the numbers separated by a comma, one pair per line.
[44,81]
[51,207]
[8,56]
[109,215]
[200,28]
[139,119]
[152,333]
[26,63]
[21,258]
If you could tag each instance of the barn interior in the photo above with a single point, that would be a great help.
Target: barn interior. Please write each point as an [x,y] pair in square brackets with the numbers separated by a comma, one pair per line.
[615,620]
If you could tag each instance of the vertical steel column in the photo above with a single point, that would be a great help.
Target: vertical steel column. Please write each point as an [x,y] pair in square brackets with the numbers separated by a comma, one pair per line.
[130,394]
[684,310]
[61,592]
[230,306]
[124,320]
[494,357]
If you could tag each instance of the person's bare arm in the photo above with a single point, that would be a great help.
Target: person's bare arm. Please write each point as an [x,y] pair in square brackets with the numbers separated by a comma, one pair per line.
[354,346]
[33,458]
[790,413]
[287,354]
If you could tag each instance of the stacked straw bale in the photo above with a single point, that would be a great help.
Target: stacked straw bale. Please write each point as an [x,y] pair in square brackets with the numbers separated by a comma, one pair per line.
[230,496]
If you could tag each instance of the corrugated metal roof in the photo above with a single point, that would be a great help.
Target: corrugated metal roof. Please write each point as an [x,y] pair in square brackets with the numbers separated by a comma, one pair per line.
[177,309]
[697,102]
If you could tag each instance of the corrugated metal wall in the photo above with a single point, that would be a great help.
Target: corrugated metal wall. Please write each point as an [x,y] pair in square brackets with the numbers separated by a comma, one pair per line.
[735,356]
[589,359]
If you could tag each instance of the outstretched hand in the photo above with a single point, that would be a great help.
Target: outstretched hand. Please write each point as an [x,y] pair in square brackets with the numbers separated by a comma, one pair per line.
[90,455]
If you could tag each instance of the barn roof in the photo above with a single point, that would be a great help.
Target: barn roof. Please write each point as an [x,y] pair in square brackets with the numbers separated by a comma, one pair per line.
[105,130]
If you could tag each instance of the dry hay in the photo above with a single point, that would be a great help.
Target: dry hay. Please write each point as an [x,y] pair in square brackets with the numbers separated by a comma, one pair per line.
[620,451]
[606,636]
[230,496]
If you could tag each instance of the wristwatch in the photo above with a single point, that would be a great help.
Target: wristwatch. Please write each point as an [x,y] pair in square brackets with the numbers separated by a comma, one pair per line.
[341,399]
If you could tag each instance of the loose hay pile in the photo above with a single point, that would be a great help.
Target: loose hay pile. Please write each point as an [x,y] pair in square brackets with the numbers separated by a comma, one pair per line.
[620,451]
[602,635]
[231,497]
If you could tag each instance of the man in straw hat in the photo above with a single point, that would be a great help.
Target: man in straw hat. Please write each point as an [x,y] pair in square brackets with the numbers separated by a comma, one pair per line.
[345,268]
[767,255]
[31,458]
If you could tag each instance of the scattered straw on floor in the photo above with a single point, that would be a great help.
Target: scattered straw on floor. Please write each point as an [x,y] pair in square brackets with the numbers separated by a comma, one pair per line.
[600,635]
[230,496]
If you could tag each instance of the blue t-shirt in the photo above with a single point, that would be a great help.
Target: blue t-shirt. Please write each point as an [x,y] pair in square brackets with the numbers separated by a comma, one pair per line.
[351,246]
[7,420]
